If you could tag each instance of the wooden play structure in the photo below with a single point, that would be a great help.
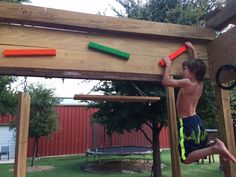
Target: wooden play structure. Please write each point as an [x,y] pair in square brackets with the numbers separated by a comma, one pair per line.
[27,27]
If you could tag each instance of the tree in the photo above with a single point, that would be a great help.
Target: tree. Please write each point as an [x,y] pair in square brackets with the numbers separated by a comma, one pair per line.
[233,107]
[186,12]
[43,116]
[121,117]
[130,117]
[191,12]
[8,98]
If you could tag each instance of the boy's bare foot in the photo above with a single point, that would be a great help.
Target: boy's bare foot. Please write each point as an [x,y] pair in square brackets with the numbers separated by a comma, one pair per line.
[223,151]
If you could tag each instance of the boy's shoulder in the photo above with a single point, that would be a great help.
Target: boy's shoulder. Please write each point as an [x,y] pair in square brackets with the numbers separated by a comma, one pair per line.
[186,82]
[189,84]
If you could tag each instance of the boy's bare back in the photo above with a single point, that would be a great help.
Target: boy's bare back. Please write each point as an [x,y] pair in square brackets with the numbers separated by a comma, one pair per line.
[188,98]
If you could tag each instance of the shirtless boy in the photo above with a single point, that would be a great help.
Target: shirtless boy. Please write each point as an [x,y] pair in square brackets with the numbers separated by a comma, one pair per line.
[192,134]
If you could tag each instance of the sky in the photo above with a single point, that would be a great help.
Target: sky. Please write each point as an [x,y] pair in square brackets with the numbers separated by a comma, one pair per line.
[69,87]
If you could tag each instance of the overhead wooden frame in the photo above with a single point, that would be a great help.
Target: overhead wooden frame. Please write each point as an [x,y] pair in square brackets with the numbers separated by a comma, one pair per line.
[69,33]
[53,18]
[141,99]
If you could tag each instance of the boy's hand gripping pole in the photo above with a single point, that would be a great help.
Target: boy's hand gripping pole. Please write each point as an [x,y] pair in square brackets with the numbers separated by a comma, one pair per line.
[173,55]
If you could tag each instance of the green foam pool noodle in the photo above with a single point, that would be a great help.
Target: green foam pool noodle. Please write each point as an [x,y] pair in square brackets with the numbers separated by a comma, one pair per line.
[108,50]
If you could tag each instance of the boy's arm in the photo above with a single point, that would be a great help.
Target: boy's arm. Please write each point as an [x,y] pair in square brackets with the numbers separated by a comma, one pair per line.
[168,81]
[166,75]
[191,49]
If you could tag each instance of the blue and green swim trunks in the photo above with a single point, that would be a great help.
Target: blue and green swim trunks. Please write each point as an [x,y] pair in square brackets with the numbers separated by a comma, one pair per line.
[192,135]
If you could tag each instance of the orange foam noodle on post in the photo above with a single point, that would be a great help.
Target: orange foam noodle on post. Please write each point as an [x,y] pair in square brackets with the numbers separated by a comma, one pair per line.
[29,52]
[173,55]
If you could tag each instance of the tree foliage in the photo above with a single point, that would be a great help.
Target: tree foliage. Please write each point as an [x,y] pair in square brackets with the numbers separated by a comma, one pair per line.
[191,12]
[120,117]
[8,98]
[43,116]
[233,102]
[188,12]
[43,120]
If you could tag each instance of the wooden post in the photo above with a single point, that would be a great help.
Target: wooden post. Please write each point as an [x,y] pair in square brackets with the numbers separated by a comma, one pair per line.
[175,162]
[226,128]
[22,134]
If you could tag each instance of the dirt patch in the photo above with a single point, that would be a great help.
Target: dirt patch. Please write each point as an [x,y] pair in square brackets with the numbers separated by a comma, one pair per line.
[119,166]
[38,168]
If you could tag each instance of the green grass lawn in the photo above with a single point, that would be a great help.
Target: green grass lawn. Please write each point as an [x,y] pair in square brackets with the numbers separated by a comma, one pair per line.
[69,166]
[194,169]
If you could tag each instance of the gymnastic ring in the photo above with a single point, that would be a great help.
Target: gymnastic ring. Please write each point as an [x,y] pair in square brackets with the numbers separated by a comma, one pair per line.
[225,67]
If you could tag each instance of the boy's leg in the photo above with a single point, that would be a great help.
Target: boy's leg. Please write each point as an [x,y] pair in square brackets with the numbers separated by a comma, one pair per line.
[217,148]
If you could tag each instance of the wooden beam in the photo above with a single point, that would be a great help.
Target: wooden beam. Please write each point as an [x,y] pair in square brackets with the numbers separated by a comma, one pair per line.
[226,128]
[22,135]
[223,16]
[40,16]
[75,60]
[79,74]
[172,124]
[146,42]
[222,51]
[141,99]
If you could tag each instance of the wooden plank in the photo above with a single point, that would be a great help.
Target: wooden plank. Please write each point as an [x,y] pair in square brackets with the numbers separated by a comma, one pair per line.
[223,17]
[22,135]
[155,47]
[226,128]
[172,119]
[79,74]
[73,56]
[40,16]
[117,98]
[222,51]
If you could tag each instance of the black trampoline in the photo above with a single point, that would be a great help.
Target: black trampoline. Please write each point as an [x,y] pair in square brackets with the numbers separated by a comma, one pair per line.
[118,151]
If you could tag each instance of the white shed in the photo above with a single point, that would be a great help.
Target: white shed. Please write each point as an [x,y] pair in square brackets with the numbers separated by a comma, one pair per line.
[7,139]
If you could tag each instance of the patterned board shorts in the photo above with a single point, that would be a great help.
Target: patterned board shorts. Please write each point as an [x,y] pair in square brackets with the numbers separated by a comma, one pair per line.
[192,135]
